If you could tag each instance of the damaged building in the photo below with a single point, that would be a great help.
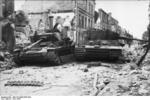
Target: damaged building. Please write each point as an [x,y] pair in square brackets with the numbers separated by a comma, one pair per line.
[77,14]
[6,29]
[105,21]
[6,8]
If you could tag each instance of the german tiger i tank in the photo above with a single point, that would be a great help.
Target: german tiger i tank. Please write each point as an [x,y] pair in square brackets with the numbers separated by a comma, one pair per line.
[99,45]
[44,48]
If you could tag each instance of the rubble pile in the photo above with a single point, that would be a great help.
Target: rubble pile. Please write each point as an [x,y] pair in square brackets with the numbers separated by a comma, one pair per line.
[21,38]
[146,61]
[133,53]
[6,61]
[128,81]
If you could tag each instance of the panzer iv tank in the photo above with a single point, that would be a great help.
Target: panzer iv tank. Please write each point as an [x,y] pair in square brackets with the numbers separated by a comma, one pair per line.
[44,48]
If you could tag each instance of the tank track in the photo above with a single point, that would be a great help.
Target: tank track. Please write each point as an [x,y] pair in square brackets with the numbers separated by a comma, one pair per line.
[54,58]
[79,54]
[17,60]
[24,83]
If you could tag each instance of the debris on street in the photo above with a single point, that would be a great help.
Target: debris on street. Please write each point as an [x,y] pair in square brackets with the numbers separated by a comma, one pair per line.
[70,48]
[94,81]
[127,81]
[6,61]
[94,64]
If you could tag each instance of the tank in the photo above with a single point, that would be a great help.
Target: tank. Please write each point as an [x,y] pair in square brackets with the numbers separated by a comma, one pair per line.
[99,45]
[45,48]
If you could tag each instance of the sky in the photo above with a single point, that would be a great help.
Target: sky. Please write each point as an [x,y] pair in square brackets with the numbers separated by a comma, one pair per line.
[131,14]
[18,4]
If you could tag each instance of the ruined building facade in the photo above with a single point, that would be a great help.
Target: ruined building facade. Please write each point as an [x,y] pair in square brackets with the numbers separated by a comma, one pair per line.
[106,21]
[79,12]
[84,9]
[6,9]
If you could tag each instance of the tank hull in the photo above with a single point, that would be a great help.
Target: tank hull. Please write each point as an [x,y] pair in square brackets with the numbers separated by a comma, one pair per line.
[98,53]
[51,56]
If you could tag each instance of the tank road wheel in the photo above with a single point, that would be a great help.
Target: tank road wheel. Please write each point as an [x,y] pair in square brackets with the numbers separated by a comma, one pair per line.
[17,60]
[54,59]
[80,59]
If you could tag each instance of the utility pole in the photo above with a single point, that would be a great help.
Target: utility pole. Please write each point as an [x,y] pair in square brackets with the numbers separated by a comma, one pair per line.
[76,18]
[149,11]
[1,16]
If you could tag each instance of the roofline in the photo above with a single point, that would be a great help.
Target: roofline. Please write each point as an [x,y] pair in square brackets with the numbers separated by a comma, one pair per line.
[58,11]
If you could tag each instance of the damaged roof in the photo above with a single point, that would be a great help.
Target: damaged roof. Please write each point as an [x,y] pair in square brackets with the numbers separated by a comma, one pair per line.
[43,5]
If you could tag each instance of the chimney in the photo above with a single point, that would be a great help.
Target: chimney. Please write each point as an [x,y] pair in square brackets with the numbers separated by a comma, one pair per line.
[51,17]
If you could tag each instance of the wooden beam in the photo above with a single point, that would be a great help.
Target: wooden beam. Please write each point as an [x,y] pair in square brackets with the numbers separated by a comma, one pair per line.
[1,16]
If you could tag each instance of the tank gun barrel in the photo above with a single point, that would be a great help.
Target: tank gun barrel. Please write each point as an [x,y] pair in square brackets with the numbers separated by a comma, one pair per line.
[125,38]
[33,44]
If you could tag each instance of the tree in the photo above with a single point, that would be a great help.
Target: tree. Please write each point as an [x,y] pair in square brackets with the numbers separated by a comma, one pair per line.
[145,35]
[148,46]
[147,49]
